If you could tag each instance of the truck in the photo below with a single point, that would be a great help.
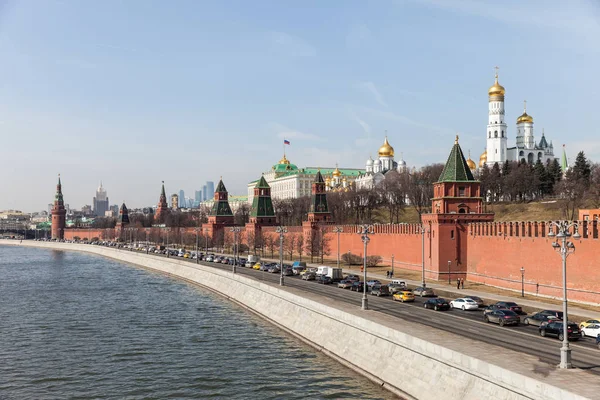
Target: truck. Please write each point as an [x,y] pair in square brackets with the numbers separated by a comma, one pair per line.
[334,273]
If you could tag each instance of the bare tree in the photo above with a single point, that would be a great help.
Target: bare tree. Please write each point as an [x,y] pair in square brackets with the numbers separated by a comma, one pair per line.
[300,245]
[289,244]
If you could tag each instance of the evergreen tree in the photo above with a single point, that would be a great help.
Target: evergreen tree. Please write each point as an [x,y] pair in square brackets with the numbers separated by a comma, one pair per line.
[554,175]
[541,179]
[582,170]
[495,182]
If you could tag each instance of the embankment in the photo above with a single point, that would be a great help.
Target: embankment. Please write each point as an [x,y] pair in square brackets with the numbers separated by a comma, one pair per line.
[406,358]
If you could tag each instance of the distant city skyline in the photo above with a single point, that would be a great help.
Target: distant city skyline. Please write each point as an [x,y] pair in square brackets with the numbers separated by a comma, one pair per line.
[198,90]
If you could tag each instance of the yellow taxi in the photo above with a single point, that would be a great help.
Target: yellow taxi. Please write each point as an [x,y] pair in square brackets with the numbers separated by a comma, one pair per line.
[404,296]
[186,255]
[256,266]
[588,322]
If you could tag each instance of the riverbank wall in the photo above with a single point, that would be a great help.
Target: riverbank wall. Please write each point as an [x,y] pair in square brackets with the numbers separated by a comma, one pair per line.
[406,358]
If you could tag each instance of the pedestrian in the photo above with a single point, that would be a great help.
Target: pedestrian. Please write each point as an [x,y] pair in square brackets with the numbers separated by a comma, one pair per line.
[458,283]
[462,283]
[387,274]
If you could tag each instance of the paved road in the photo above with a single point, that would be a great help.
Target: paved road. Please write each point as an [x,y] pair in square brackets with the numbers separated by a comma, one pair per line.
[525,339]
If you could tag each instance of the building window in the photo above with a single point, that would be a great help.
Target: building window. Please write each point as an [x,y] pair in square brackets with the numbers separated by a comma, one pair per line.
[461,191]
[452,234]
[495,134]
[502,133]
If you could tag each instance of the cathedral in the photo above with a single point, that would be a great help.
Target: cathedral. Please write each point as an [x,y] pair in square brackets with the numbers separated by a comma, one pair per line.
[375,170]
[526,148]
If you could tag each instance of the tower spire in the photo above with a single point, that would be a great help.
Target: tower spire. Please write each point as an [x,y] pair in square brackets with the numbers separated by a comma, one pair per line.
[524,106]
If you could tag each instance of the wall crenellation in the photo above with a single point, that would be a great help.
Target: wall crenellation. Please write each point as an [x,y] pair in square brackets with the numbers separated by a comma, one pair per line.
[528,229]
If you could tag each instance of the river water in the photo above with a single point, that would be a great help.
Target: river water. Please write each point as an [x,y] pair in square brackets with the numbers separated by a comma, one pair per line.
[86,327]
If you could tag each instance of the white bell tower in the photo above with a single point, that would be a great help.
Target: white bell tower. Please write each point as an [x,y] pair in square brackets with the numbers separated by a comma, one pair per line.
[496,129]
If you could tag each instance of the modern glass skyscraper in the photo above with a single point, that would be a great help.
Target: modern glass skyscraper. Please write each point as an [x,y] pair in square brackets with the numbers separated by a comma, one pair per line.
[210,190]
[182,199]
[204,193]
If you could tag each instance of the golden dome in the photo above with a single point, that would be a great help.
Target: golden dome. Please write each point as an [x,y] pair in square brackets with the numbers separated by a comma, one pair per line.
[525,117]
[471,163]
[337,172]
[496,89]
[386,150]
[483,159]
[284,160]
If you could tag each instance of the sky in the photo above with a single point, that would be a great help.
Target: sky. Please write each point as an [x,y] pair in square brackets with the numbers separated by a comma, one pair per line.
[135,92]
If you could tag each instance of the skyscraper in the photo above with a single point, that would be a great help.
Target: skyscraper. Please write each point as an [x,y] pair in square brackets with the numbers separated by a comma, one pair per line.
[181,199]
[210,190]
[100,202]
[204,193]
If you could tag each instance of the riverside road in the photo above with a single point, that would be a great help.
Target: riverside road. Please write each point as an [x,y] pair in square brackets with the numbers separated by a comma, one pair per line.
[468,324]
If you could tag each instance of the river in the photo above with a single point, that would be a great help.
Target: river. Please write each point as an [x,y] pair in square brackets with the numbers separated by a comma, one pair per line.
[79,326]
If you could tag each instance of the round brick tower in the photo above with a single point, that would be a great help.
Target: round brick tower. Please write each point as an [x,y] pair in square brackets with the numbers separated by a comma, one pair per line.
[59,214]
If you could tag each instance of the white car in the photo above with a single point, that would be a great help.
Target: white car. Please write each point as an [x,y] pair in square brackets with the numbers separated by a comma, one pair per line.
[464,304]
[592,330]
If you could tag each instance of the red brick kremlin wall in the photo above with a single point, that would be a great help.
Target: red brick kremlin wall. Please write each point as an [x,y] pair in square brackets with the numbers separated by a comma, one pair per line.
[497,251]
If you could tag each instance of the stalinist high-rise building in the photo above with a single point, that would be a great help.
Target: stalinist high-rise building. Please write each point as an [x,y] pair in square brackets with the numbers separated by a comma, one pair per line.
[101,205]
[526,148]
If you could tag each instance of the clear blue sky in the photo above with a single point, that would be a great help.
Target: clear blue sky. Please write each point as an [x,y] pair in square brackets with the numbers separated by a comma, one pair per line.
[135,92]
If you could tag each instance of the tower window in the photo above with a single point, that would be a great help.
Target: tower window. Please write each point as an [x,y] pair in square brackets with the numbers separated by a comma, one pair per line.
[495,134]
[502,133]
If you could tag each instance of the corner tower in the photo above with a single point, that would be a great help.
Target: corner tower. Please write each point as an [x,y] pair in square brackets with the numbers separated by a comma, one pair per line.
[59,214]
[162,209]
[262,212]
[319,209]
[123,219]
[496,128]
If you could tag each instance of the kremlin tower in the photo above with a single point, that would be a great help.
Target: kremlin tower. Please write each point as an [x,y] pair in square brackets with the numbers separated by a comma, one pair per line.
[162,209]
[59,214]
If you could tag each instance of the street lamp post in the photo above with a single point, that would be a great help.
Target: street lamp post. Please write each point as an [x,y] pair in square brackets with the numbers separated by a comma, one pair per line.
[236,231]
[522,282]
[425,230]
[197,254]
[338,230]
[364,231]
[168,243]
[449,276]
[206,237]
[281,230]
[564,248]
[147,241]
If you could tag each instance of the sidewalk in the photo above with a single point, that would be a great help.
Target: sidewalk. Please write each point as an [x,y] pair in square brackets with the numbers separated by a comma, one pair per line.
[530,306]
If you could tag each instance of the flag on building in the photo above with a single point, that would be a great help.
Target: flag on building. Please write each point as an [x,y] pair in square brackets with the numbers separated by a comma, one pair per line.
[285,141]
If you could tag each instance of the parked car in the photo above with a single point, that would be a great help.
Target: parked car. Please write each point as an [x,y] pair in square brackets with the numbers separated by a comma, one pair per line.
[372,282]
[423,292]
[539,319]
[265,267]
[395,287]
[511,306]
[492,308]
[555,328]
[588,322]
[404,296]
[324,279]
[297,269]
[308,270]
[309,276]
[464,304]
[257,266]
[380,290]
[476,299]
[503,317]
[437,304]
[352,277]
[357,286]
[345,284]
[592,330]
[274,269]
[288,271]
[552,313]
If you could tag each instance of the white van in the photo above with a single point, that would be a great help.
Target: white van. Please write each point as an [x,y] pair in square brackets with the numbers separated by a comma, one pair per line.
[398,282]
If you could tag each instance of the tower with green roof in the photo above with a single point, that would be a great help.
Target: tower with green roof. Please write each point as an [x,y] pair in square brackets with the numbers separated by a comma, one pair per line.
[456,202]
[319,209]
[220,213]
[262,212]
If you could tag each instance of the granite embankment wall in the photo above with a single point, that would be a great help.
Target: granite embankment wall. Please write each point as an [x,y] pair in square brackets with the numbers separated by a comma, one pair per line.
[402,356]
